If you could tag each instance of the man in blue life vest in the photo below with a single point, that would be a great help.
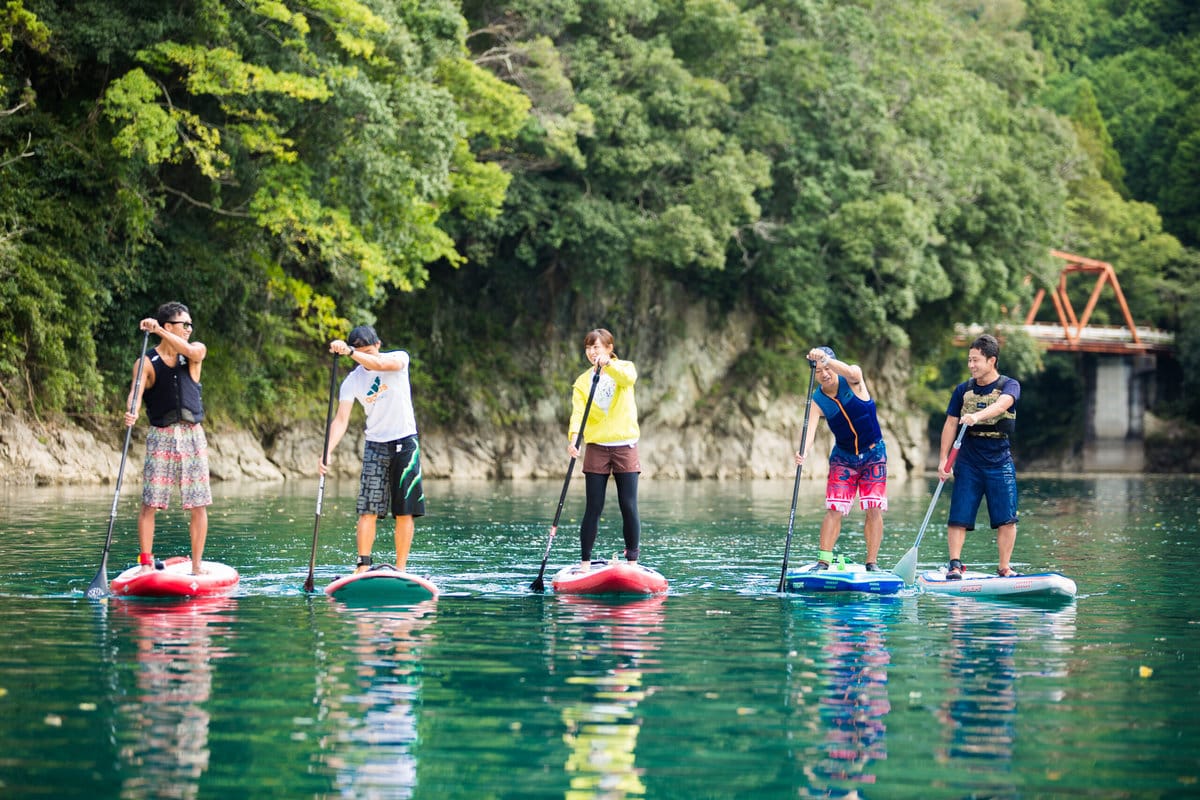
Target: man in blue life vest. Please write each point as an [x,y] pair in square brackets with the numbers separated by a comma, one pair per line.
[176,449]
[858,461]
[987,405]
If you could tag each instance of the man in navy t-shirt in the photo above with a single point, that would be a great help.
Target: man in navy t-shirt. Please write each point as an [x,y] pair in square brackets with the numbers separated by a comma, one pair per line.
[986,404]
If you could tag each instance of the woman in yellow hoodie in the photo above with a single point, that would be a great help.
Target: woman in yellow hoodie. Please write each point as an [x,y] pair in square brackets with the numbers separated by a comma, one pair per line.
[611,434]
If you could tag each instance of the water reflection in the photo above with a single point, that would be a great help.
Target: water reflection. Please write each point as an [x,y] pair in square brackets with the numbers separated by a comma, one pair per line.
[608,645]
[841,693]
[369,692]
[164,728]
[979,707]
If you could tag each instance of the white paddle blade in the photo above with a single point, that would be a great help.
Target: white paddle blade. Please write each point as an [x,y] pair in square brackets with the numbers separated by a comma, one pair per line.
[906,567]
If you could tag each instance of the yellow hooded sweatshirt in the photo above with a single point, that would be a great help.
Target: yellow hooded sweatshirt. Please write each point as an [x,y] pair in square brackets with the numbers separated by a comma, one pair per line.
[613,418]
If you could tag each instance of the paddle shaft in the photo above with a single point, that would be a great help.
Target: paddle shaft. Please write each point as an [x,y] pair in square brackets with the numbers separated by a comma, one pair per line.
[787,545]
[312,557]
[99,586]
[941,482]
[538,584]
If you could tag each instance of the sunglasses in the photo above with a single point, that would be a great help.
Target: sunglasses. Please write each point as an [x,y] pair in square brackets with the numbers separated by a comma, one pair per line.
[187,326]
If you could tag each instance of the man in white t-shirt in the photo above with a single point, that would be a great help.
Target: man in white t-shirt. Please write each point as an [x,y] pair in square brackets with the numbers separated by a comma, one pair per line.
[391,472]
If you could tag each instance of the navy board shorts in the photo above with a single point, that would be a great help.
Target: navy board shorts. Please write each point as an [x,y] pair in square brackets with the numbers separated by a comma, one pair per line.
[972,483]
[391,479]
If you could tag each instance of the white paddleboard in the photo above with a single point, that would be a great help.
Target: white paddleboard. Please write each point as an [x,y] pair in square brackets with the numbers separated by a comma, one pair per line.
[1044,585]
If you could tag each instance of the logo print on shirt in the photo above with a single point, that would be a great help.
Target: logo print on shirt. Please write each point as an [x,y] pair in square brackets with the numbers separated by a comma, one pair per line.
[378,387]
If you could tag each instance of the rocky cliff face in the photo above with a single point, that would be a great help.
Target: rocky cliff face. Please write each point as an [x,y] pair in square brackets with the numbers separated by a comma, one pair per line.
[692,427]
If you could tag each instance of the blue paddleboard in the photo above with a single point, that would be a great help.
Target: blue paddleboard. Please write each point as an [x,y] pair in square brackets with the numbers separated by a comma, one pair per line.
[846,577]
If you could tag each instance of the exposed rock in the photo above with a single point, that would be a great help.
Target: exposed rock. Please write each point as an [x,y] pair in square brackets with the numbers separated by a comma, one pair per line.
[33,454]
[234,455]
[692,427]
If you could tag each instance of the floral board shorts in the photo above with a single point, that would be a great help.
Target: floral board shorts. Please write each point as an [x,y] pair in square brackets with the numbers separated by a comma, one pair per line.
[864,475]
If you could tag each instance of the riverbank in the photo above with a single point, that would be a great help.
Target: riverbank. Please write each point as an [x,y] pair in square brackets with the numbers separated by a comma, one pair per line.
[34,453]
[38,453]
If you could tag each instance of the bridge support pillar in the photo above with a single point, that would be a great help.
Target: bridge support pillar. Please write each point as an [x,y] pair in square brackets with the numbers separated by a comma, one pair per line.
[1116,407]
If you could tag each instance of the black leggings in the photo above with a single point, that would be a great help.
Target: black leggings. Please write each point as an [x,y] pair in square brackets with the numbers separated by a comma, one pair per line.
[597,484]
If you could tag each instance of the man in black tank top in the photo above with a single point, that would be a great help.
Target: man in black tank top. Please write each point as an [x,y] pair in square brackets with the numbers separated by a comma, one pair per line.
[176,449]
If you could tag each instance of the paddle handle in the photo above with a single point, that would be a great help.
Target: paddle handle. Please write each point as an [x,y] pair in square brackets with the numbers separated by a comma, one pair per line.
[98,588]
[941,482]
[787,545]
[312,557]
[539,585]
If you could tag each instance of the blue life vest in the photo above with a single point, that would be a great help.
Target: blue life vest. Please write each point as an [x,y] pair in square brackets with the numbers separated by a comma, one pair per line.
[853,422]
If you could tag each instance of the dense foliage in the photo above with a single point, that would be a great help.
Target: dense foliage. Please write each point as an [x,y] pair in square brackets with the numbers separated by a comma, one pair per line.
[489,180]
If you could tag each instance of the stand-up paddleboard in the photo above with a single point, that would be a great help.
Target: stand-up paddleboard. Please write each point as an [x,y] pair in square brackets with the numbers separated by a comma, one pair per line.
[613,577]
[382,583]
[846,577]
[175,579]
[1041,586]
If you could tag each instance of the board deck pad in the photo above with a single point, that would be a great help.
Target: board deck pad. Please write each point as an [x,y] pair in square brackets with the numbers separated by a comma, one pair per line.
[175,579]
[382,584]
[1041,585]
[847,577]
[611,577]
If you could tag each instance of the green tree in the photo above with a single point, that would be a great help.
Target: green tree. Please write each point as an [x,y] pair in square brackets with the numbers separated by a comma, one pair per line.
[279,166]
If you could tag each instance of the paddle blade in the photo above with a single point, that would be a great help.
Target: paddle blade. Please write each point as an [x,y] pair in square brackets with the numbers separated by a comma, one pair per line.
[906,567]
[538,585]
[99,588]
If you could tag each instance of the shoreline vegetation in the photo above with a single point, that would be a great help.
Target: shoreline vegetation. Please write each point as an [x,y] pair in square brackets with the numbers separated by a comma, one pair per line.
[723,185]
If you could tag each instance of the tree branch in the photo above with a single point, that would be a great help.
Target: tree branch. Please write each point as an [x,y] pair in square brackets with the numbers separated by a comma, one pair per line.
[26,152]
[207,206]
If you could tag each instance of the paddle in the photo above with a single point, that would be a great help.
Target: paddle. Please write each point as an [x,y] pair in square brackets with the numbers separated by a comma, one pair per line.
[906,567]
[787,546]
[538,584]
[98,589]
[312,558]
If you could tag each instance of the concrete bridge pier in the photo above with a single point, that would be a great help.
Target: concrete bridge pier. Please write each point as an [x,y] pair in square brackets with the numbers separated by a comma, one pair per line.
[1117,394]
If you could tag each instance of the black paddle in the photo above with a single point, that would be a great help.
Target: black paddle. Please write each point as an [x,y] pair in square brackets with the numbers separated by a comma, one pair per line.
[787,546]
[538,584]
[98,589]
[312,558]
[906,567]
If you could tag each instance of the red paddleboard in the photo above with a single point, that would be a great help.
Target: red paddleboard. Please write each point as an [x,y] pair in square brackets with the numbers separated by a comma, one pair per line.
[614,577]
[175,579]
[382,584]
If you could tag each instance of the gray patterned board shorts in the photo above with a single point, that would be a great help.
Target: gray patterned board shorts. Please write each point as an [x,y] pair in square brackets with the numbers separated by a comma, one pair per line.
[176,455]
[391,477]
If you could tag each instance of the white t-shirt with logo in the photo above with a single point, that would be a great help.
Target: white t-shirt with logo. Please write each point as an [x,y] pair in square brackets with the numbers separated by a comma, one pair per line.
[386,397]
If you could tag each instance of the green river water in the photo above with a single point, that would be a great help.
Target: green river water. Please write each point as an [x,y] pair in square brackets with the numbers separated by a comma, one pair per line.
[721,689]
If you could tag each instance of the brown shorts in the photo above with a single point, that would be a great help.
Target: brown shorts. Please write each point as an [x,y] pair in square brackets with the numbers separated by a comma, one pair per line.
[603,459]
